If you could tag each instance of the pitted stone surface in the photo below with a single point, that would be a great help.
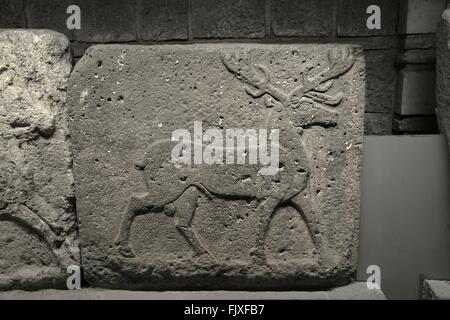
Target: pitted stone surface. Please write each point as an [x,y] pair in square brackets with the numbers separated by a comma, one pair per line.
[443,74]
[38,230]
[149,223]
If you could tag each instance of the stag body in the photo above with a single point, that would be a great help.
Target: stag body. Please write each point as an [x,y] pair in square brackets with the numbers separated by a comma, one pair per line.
[175,189]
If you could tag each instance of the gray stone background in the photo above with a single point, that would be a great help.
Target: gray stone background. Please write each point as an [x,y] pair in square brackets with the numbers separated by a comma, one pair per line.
[400,57]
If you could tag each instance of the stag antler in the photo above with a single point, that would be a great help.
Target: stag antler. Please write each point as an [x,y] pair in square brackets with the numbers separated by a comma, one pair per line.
[340,61]
[255,76]
[258,83]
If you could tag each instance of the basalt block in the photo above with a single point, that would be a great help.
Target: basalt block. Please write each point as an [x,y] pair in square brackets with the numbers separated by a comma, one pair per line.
[38,227]
[218,166]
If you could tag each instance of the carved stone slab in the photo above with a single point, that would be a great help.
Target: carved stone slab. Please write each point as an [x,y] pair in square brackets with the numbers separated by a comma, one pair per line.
[443,74]
[149,222]
[38,229]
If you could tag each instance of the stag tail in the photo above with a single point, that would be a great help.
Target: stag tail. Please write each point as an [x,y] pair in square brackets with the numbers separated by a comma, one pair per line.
[203,189]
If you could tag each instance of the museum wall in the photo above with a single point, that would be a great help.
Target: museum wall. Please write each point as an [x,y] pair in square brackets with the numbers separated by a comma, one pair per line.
[400,56]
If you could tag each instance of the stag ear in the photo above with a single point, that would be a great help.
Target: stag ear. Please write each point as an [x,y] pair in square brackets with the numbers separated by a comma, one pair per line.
[325,98]
[324,87]
[273,103]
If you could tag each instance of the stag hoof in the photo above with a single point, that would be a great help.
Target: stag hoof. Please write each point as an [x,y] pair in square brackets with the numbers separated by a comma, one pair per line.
[260,261]
[125,251]
[258,258]
[327,260]
[204,258]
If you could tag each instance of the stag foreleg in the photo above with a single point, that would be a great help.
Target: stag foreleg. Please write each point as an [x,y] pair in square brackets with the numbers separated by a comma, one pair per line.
[302,203]
[266,210]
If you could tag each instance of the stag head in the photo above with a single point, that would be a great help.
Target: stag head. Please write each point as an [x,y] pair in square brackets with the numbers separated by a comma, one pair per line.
[309,103]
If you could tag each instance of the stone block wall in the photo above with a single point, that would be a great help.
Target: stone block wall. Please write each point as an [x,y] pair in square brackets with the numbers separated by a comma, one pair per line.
[400,56]
[416,100]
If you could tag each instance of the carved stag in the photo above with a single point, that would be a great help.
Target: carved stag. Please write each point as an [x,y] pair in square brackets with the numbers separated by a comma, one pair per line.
[174,190]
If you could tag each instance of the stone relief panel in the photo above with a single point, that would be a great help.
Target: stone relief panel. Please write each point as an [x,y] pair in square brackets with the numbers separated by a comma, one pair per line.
[38,237]
[168,197]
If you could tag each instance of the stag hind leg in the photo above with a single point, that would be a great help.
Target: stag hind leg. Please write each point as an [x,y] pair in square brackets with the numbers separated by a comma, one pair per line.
[185,206]
[138,205]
